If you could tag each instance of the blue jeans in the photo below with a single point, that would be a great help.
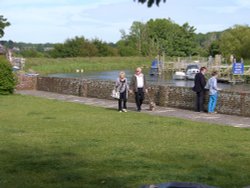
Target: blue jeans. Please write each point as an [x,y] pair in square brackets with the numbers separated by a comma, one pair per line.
[212,102]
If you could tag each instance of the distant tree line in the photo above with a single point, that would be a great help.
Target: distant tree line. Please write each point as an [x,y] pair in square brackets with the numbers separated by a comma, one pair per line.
[81,47]
[147,39]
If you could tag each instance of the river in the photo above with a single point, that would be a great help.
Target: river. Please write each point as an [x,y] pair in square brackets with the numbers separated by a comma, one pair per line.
[164,79]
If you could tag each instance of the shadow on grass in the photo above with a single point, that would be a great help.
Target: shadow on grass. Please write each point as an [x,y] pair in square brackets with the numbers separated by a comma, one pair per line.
[33,167]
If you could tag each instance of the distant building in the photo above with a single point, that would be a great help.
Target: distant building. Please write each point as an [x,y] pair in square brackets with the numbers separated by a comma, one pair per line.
[2,49]
[16,49]
[46,49]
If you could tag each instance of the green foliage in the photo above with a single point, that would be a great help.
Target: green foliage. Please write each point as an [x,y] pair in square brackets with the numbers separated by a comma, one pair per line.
[3,23]
[126,48]
[77,47]
[159,35]
[214,48]
[81,47]
[207,43]
[59,144]
[236,41]
[28,49]
[31,53]
[7,78]
[104,49]
[145,39]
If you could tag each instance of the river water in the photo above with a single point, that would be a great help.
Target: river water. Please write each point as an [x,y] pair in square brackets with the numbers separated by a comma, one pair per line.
[164,79]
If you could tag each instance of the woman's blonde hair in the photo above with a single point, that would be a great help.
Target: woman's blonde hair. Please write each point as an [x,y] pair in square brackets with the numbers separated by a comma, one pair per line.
[122,74]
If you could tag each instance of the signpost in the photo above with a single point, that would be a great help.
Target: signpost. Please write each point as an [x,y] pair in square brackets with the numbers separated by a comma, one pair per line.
[238,68]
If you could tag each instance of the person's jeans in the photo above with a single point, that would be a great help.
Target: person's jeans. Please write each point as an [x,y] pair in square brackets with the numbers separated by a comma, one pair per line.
[123,100]
[212,102]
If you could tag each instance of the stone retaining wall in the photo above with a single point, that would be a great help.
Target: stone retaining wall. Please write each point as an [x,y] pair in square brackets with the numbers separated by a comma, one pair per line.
[237,103]
[26,82]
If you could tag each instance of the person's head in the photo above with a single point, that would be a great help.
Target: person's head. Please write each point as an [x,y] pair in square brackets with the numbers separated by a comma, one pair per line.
[203,70]
[122,75]
[214,73]
[138,70]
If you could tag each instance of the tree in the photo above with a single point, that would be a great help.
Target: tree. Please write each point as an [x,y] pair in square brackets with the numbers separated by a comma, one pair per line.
[214,48]
[104,49]
[236,41]
[206,43]
[139,35]
[157,36]
[7,79]
[188,44]
[76,47]
[3,23]
[168,36]
[151,2]
[126,46]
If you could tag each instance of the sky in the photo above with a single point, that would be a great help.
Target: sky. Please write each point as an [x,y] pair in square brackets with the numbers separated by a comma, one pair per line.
[54,21]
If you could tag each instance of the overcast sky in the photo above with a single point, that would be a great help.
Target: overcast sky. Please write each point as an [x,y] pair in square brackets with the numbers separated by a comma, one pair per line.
[41,21]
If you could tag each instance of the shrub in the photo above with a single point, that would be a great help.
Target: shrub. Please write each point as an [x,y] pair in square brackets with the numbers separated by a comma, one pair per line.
[7,78]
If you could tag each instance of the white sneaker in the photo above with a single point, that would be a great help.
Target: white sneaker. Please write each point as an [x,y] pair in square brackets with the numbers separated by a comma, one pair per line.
[124,110]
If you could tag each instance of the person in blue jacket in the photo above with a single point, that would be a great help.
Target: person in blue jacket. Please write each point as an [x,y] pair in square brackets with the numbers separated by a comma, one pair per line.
[213,92]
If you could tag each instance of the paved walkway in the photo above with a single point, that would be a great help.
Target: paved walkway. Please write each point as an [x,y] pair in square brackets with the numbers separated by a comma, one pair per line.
[220,119]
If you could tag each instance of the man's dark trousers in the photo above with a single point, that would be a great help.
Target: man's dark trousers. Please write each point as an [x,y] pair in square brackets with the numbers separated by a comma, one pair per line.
[200,101]
[139,97]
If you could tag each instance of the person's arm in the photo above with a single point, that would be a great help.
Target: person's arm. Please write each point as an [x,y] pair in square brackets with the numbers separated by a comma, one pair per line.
[132,83]
[117,83]
[215,85]
[203,81]
[127,85]
[145,83]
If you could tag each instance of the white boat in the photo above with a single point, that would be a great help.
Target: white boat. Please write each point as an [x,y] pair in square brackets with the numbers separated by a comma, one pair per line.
[191,71]
[179,75]
[15,68]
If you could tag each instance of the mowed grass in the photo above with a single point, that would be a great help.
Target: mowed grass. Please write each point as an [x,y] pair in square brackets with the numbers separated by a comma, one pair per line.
[64,65]
[53,144]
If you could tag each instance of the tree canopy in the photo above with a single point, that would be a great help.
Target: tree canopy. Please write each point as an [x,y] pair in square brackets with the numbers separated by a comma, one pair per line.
[7,79]
[3,23]
[81,47]
[157,36]
[236,41]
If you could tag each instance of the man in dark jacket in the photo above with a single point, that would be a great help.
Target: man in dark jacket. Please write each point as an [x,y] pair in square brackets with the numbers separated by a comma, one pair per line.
[199,88]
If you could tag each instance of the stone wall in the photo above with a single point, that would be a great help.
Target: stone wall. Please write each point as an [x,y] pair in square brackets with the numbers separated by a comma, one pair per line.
[229,102]
[25,82]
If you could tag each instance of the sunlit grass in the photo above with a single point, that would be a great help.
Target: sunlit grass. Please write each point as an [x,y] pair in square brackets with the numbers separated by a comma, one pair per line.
[47,143]
[59,65]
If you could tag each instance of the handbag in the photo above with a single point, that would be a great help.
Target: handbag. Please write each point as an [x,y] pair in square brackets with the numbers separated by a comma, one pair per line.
[115,94]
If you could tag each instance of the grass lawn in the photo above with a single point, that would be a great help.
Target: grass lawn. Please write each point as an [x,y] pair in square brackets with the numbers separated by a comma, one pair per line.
[64,65]
[53,144]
